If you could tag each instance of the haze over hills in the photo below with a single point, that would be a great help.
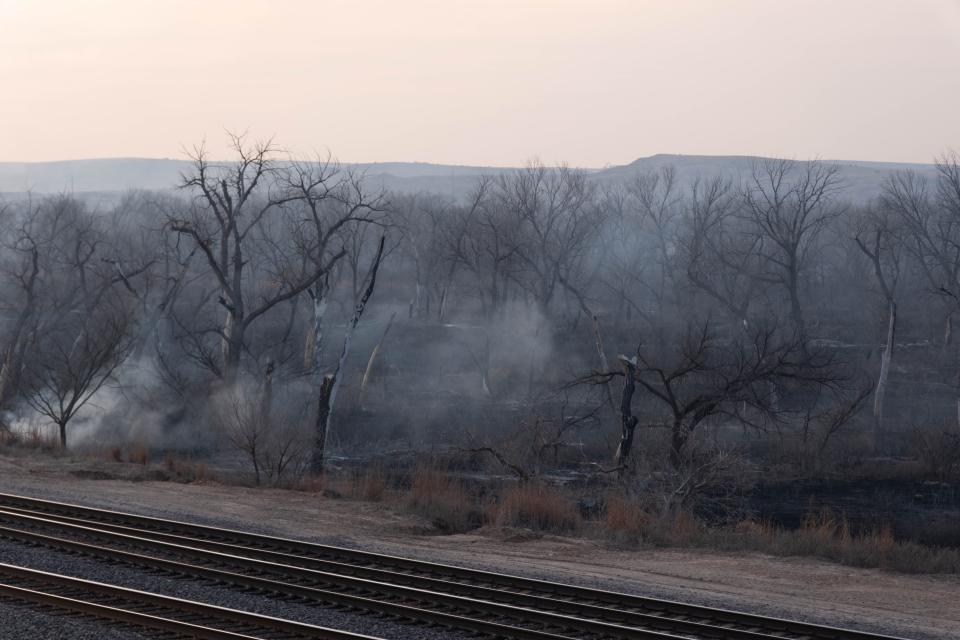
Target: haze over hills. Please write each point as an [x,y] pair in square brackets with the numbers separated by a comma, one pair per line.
[109,176]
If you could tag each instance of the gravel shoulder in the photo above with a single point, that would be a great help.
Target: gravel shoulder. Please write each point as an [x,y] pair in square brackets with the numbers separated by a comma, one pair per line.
[908,606]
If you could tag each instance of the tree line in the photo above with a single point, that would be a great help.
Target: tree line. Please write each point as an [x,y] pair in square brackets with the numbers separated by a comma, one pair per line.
[761,302]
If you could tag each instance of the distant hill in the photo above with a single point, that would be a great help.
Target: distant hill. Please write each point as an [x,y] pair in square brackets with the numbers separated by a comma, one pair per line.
[108,175]
[860,179]
[104,179]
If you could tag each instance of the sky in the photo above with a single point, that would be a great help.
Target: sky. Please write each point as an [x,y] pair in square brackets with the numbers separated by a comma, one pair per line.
[498,82]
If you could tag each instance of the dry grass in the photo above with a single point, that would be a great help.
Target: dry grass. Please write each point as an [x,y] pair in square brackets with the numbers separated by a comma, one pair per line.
[538,507]
[138,454]
[310,483]
[824,535]
[624,516]
[33,436]
[371,485]
[367,485]
[626,520]
[444,501]
[189,471]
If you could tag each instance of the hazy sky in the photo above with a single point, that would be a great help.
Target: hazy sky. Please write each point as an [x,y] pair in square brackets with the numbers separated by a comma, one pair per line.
[592,82]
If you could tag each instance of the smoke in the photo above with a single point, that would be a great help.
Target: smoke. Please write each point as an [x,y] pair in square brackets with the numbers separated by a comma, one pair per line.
[134,408]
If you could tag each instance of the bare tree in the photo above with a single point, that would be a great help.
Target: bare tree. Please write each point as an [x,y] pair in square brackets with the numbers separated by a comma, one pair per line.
[789,204]
[721,260]
[56,356]
[879,239]
[233,204]
[932,223]
[558,219]
[482,239]
[656,200]
[331,381]
[423,220]
[24,270]
[334,207]
[705,374]
[74,361]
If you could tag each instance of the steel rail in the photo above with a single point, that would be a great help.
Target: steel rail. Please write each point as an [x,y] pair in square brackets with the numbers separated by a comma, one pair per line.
[122,604]
[293,590]
[719,619]
[532,601]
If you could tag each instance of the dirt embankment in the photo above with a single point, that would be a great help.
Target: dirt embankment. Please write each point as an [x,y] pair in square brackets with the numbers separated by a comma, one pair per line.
[903,605]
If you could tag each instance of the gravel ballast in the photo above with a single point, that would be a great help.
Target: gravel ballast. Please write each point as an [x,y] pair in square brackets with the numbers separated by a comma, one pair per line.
[131,577]
[19,621]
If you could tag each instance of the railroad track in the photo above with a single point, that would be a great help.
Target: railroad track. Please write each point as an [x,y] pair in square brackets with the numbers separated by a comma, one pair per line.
[492,604]
[149,612]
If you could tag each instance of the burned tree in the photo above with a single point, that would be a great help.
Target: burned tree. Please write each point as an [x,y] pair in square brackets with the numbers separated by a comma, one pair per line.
[331,381]
[231,214]
[628,421]
[931,225]
[703,373]
[331,204]
[879,239]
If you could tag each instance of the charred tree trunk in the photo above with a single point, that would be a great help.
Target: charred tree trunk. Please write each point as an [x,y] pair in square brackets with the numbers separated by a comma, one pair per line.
[231,345]
[598,339]
[796,310]
[598,342]
[679,435]
[628,422]
[373,357]
[266,402]
[442,310]
[313,346]
[885,359]
[324,406]
[331,382]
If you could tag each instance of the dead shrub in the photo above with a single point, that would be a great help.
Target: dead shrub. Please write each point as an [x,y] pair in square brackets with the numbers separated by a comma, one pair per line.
[538,507]
[271,434]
